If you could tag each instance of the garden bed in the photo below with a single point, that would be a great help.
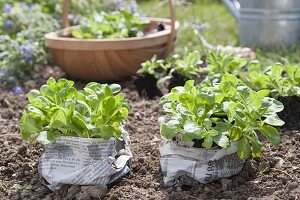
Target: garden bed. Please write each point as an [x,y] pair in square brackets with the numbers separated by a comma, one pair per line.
[275,176]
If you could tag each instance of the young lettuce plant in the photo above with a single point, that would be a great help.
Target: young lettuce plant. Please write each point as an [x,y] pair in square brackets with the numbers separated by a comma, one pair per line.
[220,63]
[282,80]
[151,77]
[154,67]
[184,68]
[118,24]
[59,109]
[221,114]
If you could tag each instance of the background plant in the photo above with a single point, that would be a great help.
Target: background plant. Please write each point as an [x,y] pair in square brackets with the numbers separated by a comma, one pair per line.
[59,109]
[282,79]
[158,68]
[118,24]
[22,44]
[188,65]
[222,113]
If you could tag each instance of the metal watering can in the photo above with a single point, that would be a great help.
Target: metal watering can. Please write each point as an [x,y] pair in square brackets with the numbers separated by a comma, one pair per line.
[267,24]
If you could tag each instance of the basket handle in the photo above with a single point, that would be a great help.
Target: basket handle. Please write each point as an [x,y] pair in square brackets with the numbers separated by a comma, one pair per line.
[65,13]
[173,29]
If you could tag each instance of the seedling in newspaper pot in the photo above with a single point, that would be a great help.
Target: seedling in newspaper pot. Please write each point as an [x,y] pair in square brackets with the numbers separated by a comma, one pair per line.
[211,128]
[85,143]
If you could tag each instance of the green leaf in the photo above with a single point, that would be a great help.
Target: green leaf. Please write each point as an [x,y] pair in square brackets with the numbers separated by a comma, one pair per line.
[274,120]
[276,70]
[243,149]
[255,100]
[59,119]
[222,127]
[33,94]
[207,142]
[270,133]
[235,133]
[263,93]
[187,100]
[29,126]
[272,106]
[187,137]
[256,147]
[203,98]
[221,140]
[78,121]
[106,133]
[191,127]
[115,88]
[167,132]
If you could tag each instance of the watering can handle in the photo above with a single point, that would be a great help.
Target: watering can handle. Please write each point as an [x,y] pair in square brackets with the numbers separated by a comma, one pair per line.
[234,7]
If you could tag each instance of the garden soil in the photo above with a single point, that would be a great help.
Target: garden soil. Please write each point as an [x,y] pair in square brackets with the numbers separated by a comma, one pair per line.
[274,176]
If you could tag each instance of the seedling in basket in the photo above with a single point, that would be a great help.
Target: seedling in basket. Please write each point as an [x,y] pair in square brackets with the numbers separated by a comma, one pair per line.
[118,24]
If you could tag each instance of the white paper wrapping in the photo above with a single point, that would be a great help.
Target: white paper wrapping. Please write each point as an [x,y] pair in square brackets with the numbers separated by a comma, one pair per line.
[183,165]
[84,161]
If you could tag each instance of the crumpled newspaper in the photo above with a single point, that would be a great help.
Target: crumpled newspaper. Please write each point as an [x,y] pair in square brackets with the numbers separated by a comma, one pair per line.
[85,161]
[186,165]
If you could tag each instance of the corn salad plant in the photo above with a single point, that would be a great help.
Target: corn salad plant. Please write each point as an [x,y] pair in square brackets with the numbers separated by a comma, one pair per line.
[59,109]
[220,113]
[118,24]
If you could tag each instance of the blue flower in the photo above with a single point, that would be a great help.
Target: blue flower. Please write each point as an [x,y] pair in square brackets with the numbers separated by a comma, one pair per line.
[201,27]
[130,5]
[24,6]
[17,90]
[7,7]
[25,49]
[8,24]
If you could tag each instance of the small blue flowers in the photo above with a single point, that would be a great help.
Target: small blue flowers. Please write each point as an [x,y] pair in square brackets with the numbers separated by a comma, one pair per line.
[130,5]
[201,27]
[25,49]
[17,90]
[7,7]
[8,24]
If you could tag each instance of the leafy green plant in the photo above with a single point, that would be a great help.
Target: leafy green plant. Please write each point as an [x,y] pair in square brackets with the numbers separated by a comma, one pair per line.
[220,63]
[22,17]
[118,24]
[282,79]
[22,44]
[18,58]
[59,109]
[154,67]
[220,114]
[188,65]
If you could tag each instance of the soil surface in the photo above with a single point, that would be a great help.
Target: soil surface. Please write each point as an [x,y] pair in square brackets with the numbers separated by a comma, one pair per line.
[274,176]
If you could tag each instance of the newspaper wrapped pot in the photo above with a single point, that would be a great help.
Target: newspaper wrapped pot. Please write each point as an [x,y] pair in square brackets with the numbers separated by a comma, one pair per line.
[84,161]
[186,165]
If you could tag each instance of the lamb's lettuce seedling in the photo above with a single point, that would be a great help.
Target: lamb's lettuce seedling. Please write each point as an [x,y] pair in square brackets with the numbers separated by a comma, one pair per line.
[220,63]
[222,113]
[282,79]
[59,109]
[188,66]
[118,24]
[154,67]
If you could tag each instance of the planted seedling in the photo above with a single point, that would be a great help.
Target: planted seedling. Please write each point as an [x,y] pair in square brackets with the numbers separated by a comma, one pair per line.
[283,80]
[220,115]
[59,109]
[185,68]
[118,24]
[150,76]
[220,63]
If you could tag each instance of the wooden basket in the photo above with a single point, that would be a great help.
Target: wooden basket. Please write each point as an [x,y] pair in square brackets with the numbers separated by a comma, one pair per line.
[109,59]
